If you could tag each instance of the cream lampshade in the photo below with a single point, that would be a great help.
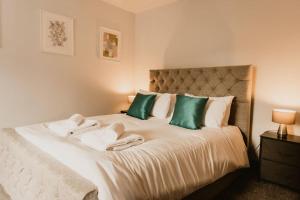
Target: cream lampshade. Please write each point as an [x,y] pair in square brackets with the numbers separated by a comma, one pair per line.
[283,117]
[131,98]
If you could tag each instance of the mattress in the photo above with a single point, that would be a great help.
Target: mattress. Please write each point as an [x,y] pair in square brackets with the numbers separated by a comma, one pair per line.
[172,162]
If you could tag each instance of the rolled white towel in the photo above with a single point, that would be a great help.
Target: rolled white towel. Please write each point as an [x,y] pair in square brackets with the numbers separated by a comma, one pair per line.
[76,120]
[99,138]
[125,143]
[64,128]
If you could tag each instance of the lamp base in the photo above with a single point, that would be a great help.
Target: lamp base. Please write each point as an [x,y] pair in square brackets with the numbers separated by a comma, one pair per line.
[282,131]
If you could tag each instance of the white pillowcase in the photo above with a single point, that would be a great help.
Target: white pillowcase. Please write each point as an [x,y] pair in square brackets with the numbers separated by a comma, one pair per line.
[217,111]
[162,104]
[172,107]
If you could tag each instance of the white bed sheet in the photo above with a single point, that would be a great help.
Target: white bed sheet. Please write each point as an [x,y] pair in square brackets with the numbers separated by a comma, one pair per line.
[172,163]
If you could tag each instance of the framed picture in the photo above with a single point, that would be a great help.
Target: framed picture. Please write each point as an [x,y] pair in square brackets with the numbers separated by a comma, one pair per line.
[110,44]
[0,23]
[57,33]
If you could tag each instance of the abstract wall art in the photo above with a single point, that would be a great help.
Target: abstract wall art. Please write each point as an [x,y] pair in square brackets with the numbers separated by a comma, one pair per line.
[110,44]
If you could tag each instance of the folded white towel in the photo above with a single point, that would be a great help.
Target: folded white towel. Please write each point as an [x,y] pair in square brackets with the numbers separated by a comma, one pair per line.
[65,128]
[100,138]
[125,143]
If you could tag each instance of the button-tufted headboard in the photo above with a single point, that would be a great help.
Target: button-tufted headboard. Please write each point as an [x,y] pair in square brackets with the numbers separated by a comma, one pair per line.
[212,81]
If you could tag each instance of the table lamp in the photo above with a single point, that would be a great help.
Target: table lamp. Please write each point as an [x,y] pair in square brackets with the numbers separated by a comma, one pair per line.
[283,117]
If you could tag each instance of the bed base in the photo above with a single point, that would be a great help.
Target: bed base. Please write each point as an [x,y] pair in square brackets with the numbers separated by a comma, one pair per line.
[213,190]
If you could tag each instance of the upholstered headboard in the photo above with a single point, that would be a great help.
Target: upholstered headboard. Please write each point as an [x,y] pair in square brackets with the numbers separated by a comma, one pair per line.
[212,81]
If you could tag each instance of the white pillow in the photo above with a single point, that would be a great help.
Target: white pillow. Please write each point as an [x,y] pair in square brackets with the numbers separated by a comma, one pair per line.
[217,111]
[172,107]
[162,104]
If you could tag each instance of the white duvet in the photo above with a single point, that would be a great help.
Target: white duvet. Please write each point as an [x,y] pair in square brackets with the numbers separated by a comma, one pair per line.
[171,163]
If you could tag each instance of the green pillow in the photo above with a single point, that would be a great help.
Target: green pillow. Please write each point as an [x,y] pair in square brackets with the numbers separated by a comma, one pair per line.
[188,112]
[141,106]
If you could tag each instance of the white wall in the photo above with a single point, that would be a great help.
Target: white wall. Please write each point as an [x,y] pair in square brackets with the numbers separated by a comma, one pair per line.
[36,87]
[195,33]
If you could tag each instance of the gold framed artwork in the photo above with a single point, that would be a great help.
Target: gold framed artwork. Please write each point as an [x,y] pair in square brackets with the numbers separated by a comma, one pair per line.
[57,33]
[110,44]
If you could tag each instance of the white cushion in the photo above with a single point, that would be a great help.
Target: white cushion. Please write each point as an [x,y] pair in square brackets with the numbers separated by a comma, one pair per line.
[217,111]
[162,104]
[172,107]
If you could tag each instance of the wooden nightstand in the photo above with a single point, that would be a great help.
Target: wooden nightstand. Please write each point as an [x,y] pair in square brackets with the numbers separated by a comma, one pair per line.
[280,160]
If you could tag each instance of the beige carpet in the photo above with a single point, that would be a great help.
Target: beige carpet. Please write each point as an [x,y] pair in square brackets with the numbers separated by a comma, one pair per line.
[251,188]
[3,195]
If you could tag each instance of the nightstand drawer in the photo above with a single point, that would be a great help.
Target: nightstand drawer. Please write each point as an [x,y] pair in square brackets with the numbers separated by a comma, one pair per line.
[280,173]
[281,151]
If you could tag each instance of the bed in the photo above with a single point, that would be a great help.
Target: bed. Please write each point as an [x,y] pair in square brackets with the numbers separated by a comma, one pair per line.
[173,163]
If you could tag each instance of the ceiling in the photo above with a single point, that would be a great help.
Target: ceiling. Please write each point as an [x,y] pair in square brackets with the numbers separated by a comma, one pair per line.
[137,6]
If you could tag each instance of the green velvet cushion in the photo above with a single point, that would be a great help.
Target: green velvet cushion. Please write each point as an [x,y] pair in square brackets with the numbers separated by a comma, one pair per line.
[188,112]
[141,106]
